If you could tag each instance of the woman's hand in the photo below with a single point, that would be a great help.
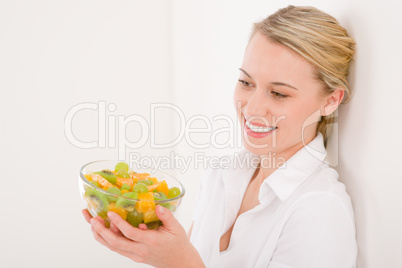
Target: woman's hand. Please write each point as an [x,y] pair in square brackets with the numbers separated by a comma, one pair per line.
[88,218]
[166,247]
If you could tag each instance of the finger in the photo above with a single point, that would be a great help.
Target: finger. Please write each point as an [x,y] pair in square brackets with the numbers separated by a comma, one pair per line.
[167,218]
[99,238]
[99,219]
[114,229]
[88,217]
[86,214]
[143,226]
[113,240]
[127,230]
[122,252]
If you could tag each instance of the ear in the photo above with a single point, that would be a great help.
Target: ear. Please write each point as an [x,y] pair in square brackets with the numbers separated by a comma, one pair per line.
[332,102]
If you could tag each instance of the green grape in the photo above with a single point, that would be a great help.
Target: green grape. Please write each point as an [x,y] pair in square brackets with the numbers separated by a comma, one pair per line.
[115,191]
[121,166]
[140,188]
[95,183]
[134,218]
[173,192]
[122,174]
[146,182]
[125,187]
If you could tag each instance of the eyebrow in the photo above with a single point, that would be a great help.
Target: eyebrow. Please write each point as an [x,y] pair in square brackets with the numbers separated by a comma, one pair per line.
[274,83]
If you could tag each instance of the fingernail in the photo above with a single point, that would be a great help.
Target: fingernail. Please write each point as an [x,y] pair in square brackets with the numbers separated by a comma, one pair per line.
[161,209]
[110,215]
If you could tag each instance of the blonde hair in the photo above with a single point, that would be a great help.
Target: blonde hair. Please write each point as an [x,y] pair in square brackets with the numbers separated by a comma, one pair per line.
[318,38]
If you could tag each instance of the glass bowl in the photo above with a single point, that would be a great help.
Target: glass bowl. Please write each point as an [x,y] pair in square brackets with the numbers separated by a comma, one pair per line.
[135,209]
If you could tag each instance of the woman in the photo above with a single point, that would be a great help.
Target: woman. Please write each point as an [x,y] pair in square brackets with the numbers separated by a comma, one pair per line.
[290,210]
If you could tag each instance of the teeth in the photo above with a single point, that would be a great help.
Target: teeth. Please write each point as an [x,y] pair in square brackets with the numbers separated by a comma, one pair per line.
[258,128]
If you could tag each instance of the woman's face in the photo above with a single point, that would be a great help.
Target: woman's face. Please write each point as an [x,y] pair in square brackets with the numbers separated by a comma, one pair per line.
[277,98]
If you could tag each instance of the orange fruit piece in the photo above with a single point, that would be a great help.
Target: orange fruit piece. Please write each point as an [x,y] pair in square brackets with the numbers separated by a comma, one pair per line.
[140,176]
[155,180]
[153,186]
[163,187]
[120,181]
[121,211]
[150,215]
[146,202]
[124,191]
[88,177]
[102,181]
[132,175]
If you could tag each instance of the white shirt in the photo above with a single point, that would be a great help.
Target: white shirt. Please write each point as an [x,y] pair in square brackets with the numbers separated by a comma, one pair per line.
[304,219]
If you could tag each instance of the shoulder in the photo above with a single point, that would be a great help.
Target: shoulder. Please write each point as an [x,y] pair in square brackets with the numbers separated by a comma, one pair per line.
[324,195]
[318,224]
[316,220]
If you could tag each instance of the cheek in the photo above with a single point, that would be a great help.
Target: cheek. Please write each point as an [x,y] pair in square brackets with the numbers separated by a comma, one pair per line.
[239,99]
[300,116]
[291,117]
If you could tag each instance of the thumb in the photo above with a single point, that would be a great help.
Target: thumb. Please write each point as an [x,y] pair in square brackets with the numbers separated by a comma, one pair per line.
[166,216]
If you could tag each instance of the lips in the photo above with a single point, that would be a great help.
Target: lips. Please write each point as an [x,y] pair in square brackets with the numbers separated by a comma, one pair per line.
[258,127]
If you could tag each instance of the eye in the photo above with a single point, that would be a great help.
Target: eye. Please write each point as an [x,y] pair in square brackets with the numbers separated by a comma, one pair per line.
[244,84]
[278,95]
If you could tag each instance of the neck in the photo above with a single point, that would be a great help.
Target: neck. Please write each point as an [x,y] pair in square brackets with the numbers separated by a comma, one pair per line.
[272,161]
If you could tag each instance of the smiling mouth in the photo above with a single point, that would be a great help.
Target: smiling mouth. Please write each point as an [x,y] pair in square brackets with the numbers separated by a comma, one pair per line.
[259,128]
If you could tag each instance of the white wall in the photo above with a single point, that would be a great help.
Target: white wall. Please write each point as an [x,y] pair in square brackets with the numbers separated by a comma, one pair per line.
[209,40]
[370,133]
[55,55]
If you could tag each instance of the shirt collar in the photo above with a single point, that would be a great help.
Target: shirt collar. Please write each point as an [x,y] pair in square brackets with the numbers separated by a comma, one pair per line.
[283,181]
[293,172]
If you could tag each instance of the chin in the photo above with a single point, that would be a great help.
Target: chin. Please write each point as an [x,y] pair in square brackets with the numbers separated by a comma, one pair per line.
[259,148]
[268,156]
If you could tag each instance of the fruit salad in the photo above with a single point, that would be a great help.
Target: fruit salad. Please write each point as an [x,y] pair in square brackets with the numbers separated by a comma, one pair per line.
[131,195]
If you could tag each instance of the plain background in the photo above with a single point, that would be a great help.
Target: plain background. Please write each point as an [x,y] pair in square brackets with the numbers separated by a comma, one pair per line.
[55,55]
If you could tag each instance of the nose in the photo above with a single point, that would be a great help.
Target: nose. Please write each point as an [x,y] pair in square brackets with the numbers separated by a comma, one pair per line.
[256,105]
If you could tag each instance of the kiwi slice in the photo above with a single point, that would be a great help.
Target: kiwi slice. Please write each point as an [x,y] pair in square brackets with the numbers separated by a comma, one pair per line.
[128,205]
[108,175]
[135,218]
[100,200]
[160,196]
[115,191]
